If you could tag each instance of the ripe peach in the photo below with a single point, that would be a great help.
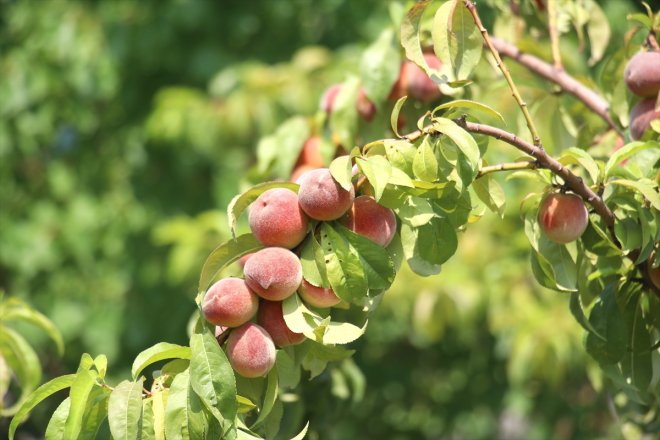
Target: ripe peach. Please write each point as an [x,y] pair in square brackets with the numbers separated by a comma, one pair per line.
[250,350]
[365,107]
[642,74]
[270,317]
[299,171]
[321,197]
[414,82]
[229,303]
[311,153]
[371,220]
[318,296]
[273,273]
[641,117]
[563,217]
[243,259]
[276,219]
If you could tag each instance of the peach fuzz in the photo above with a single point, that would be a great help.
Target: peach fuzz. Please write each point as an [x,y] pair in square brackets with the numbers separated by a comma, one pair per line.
[321,197]
[371,220]
[251,351]
[563,217]
[276,219]
[318,296]
[642,74]
[271,318]
[229,303]
[273,273]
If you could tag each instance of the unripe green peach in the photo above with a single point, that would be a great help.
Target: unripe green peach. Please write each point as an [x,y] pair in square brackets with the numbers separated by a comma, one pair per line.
[321,197]
[642,74]
[317,296]
[641,117]
[563,217]
[250,350]
[371,220]
[229,303]
[271,318]
[276,218]
[273,273]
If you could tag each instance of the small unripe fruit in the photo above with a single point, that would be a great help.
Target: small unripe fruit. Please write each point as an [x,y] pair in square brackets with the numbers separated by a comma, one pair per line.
[413,81]
[229,303]
[563,217]
[371,220]
[311,153]
[273,273]
[251,351]
[321,197]
[641,117]
[271,318]
[318,296]
[276,219]
[642,74]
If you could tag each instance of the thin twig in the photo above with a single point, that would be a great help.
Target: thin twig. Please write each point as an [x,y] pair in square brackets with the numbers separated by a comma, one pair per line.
[514,90]
[554,34]
[591,99]
[509,166]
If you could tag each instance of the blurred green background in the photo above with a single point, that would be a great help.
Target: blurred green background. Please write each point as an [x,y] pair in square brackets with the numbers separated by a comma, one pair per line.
[125,129]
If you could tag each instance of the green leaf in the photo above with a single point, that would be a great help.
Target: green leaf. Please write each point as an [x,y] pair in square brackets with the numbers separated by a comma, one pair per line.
[575,305]
[240,202]
[287,369]
[270,397]
[80,391]
[95,414]
[625,152]
[317,356]
[23,361]
[185,418]
[576,156]
[301,434]
[401,155]
[380,65]
[341,171]
[342,332]
[644,186]
[456,39]
[491,193]
[598,30]
[637,363]
[343,119]
[245,405]
[280,151]
[425,164]
[55,428]
[394,116]
[563,262]
[345,272]
[415,211]
[410,34]
[101,365]
[156,353]
[378,266]
[44,391]
[159,403]
[224,255]
[211,375]
[466,103]
[311,269]
[409,236]
[147,430]
[14,311]
[436,241]
[607,320]
[299,318]
[463,140]
[125,410]
[378,171]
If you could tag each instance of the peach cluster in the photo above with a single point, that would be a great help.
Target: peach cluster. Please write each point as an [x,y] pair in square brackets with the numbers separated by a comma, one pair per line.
[248,312]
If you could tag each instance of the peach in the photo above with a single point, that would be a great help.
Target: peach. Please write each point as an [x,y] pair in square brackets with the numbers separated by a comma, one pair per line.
[273,273]
[311,153]
[413,81]
[251,351]
[563,217]
[641,117]
[371,220]
[271,318]
[243,259]
[299,171]
[321,197]
[642,74]
[276,219]
[229,303]
[365,107]
[318,296]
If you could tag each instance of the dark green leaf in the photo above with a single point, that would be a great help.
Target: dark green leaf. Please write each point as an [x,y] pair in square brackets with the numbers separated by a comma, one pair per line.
[607,319]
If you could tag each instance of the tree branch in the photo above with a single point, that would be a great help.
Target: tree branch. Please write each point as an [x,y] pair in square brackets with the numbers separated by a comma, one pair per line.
[591,99]
[510,166]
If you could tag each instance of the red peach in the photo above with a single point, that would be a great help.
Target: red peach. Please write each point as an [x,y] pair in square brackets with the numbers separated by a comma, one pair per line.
[321,197]
[276,219]
[563,217]
[318,296]
[243,259]
[251,351]
[365,107]
[371,220]
[271,318]
[299,171]
[311,153]
[642,74]
[273,273]
[414,81]
[641,117]
[229,303]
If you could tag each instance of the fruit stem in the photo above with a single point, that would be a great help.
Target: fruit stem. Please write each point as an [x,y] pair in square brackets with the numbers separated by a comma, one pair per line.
[514,90]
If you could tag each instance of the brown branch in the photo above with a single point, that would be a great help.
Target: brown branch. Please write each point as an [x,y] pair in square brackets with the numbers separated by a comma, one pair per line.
[591,99]
[500,64]
[510,166]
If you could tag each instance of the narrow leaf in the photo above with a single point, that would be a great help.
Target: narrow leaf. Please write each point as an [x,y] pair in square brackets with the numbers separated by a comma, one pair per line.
[158,352]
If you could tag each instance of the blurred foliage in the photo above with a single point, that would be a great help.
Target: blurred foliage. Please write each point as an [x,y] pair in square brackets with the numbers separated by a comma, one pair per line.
[126,128]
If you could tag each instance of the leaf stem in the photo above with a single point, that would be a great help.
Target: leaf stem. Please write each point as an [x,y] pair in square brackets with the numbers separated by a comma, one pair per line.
[514,90]
[509,166]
